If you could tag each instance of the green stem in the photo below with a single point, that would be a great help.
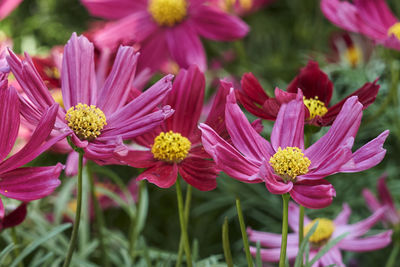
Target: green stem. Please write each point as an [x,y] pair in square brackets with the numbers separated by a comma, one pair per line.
[15,240]
[393,255]
[183,223]
[244,234]
[282,259]
[301,229]
[187,208]
[134,225]
[225,244]
[72,242]
[99,218]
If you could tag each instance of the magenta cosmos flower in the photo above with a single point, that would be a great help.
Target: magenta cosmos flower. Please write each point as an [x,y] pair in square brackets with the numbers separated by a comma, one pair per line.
[175,147]
[28,183]
[284,165]
[392,216]
[165,28]
[317,90]
[7,6]
[326,230]
[371,18]
[98,120]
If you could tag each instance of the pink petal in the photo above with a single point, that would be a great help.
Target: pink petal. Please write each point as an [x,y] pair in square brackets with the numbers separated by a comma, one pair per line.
[78,79]
[116,88]
[185,46]
[31,183]
[370,243]
[293,218]
[332,257]
[215,24]
[274,183]
[270,239]
[113,9]
[243,135]
[138,159]
[313,194]
[341,13]
[71,166]
[9,118]
[227,158]
[35,145]
[198,172]
[289,125]
[153,53]
[372,203]
[384,194]
[15,217]
[161,174]
[368,155]
[273,254]
[345,126]
[343,216]
[186,98]
[7,6]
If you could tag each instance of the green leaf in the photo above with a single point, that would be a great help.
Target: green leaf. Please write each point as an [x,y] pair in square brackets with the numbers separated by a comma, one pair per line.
[300,254]
[6,251]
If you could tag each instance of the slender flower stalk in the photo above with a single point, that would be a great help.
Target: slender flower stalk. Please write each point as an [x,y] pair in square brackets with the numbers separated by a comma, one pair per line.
[393,255]
[15,240]
[134,232]
[183,224]
[285,216]
[187,209]
[301,228]
[244,234]
[74,235]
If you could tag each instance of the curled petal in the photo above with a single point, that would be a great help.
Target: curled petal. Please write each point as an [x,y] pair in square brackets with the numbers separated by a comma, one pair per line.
[313,194]
[161,174]
[198,172]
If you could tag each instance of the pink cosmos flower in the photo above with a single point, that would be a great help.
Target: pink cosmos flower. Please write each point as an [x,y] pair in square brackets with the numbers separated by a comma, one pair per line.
[371,18]
[165,28]
[317,89]
[326,230]
[98,120]
[392,216]
[14,217]
[7,6]
[27,183]
[175,147]
[284,164]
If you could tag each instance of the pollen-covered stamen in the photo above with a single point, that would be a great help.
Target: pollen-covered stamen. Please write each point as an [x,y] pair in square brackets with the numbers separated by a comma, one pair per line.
[315,106]
[323,232]
[170,147]
[394,30]
[290,162]
[86,121]
[168,12]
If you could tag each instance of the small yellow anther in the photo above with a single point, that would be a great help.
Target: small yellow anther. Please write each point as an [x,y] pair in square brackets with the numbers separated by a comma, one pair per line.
[168,12]
[290,162]
[170,147]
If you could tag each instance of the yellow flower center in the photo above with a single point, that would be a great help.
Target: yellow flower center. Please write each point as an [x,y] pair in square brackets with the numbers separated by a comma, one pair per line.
[57,96]
[86,121]
[323,232]
[290,162]
[170,147]
[315,107]
[168,12]
[246,4]
[353,55]
[394,30]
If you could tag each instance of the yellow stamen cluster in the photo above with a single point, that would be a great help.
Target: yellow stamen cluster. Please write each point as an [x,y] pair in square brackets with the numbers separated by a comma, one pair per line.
[170,147]
[315,107]
[246,4]
[394,30]
[323,232]
[353,55]
[86,121]
[57,96]
[168,12]
[290,162]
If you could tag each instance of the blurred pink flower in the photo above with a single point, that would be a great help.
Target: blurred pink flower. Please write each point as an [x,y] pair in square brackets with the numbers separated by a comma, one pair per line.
[240,7]
[97,120]
[284,164]
[7,6]
[325,231]
[13,218]
[165,28]
[391,216]
[24,183]
[371,18]
[175,147]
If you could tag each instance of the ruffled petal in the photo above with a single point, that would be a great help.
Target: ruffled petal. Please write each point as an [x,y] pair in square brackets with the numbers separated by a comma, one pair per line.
[185,46]
[369,243]
[313,194]
[31,183]
[198,172]
[289,125]
[227,158]
[214,24]
[116,88]
[243,135]
[186,98]
[78,79]
[161,174]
